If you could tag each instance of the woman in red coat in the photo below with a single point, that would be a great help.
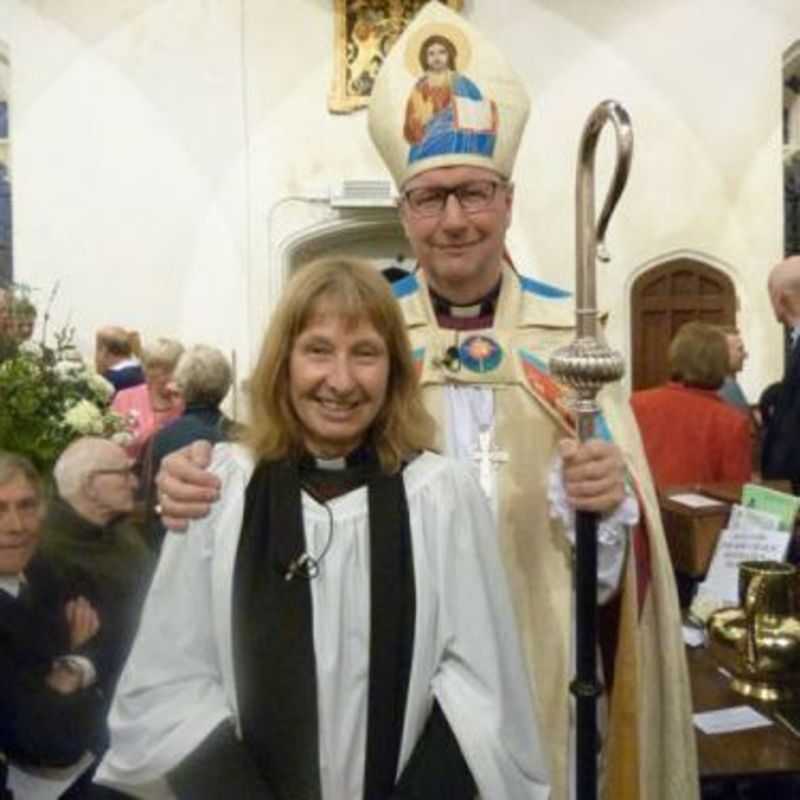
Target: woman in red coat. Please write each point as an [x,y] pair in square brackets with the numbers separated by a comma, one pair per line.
[690,435]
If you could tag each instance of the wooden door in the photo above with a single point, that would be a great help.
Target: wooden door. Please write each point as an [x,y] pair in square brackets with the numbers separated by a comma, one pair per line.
[665,297]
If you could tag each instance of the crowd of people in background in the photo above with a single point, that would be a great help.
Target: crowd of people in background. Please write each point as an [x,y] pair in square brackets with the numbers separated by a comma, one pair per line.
[78,549]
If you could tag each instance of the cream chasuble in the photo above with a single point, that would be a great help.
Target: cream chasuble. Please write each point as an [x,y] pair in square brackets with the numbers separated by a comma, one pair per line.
[650,753]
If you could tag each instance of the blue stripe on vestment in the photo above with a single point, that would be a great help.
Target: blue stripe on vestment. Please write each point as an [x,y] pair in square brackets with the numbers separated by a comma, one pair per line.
[542,289]
[405,287]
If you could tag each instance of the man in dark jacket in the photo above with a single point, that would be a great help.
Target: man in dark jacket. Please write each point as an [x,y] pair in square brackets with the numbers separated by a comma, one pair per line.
[51,708]
[780,457]
[203,377]
[89,538]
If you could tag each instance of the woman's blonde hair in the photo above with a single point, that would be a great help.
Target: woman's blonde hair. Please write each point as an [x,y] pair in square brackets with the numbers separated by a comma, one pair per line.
[354,291]
[163,353]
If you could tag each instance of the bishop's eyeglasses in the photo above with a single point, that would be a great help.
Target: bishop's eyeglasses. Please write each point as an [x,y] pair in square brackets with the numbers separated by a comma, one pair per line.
[473,197]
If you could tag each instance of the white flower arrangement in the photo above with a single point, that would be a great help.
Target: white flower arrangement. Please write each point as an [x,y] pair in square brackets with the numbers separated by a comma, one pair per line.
[69,369]
[50,397]
[85,418]
[31,348]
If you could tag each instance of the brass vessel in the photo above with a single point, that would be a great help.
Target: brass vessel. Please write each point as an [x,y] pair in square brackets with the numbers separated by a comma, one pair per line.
[759,642]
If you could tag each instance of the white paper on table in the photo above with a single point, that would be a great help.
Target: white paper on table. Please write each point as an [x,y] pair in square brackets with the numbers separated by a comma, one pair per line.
[728,720]
[744,517]
[694,637]
[693,500]
[734,546]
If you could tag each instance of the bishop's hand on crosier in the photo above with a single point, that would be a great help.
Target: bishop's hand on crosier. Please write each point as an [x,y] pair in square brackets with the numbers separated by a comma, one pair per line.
[593,473]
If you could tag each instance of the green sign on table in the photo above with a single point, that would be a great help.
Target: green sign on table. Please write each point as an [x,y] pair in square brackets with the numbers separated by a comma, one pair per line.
[782,505]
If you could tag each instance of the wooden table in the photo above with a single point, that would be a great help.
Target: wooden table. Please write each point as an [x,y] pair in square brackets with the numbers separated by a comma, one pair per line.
[759,752]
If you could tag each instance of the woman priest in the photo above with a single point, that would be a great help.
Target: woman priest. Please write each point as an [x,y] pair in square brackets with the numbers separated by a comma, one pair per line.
[356,638]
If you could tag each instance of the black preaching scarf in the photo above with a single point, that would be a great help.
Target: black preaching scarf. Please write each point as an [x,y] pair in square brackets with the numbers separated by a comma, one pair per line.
[273,632]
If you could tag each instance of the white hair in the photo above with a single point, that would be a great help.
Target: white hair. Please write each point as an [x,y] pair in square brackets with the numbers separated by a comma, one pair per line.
[78,461]
[203,375]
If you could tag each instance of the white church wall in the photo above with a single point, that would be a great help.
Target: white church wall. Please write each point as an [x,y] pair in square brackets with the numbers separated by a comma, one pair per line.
[289,62]
[157,144]
[128,162]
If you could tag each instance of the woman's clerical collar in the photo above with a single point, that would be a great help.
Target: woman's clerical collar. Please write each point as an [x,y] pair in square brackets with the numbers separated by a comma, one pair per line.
[331,464]
[363,455]
[466,316]
[326,478]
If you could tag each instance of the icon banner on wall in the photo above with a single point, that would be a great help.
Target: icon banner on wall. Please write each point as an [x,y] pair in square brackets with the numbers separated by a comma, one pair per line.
[364,32]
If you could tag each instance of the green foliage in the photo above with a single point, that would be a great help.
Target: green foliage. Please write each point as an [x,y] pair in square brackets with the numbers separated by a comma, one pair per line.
[48,397]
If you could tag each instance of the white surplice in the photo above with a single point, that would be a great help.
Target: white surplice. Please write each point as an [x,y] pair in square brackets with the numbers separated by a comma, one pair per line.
[178,684]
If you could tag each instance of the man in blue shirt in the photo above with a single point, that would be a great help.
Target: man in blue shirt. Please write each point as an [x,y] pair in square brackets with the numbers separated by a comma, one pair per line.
[114,358]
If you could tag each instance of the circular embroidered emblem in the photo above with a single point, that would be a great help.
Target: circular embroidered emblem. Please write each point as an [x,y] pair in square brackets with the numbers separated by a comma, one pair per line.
[480,354]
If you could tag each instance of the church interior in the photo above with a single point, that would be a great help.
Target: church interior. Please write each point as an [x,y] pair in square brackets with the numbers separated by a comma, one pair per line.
[166,166]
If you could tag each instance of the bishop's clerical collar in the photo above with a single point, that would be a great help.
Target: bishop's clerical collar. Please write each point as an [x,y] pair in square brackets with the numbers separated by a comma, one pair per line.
[466,316]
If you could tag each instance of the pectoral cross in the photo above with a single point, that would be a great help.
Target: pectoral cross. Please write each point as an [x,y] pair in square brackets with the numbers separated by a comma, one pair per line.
[488,460]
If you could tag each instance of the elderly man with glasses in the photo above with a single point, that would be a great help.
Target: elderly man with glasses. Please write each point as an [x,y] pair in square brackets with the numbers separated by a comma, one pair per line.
[90,538]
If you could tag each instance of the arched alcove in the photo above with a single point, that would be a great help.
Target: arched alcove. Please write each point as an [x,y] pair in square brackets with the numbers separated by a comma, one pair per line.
[300,231]
[313,229]
[377,238]
[665,296]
